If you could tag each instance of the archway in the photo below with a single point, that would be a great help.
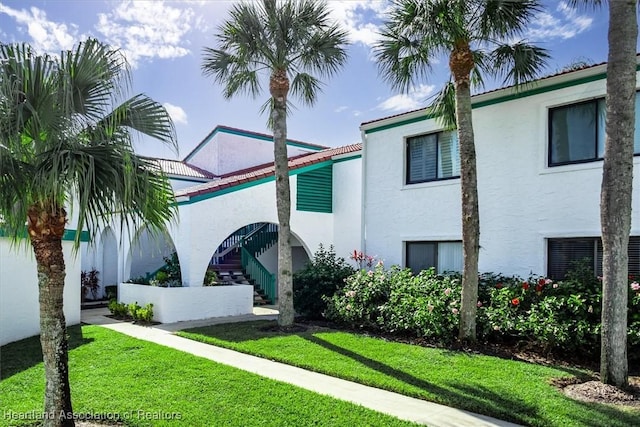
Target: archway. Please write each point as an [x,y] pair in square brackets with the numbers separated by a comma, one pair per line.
[249,255]
[149,253]
[109,271]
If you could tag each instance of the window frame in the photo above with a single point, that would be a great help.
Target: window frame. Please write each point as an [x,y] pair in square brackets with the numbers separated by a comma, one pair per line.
[634,243]
[436,244]
[408,139]
[594,101]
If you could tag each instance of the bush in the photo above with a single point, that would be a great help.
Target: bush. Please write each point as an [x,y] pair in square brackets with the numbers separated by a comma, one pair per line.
[118,309]
[562,316]
[359,302]
[318,280]
[131,311]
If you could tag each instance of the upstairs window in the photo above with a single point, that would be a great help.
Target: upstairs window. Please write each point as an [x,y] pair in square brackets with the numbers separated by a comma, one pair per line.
[577,132]
[432,157]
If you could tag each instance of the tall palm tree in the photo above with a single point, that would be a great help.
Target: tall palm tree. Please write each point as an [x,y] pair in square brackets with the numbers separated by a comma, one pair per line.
[473,34]
[293,43]
[617,184]
[66,142]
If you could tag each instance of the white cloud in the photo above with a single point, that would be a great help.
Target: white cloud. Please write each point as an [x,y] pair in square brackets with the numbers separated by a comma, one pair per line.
[341,109]
[564,24]
[361,18]
[177,113]
[147,29]
[412,100]
[46,36]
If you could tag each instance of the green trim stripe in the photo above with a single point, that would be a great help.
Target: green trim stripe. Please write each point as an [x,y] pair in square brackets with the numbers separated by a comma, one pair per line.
[69,235]
[504,98]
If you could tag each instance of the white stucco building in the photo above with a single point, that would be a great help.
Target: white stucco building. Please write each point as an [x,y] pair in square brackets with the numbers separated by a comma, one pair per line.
[395,196]
[539,161]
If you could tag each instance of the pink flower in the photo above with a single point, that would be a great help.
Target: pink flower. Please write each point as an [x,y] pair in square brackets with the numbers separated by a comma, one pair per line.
[454,310]
[430,308]
[555,286]
[548,282]
[635,286]
[479,304]
[351,294]
[370,273]
[447,291]
[496,327]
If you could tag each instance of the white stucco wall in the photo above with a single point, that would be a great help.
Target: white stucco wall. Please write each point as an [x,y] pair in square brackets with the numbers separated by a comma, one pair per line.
[347,205]
[192,303]
[205,224]
[522,200]
[19,308]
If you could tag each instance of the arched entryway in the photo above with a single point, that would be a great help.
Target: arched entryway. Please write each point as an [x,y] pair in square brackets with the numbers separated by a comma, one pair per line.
[149,253]
[249,255]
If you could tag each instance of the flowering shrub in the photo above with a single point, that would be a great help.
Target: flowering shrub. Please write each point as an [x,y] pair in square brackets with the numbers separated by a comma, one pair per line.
[360,301]
[559,316]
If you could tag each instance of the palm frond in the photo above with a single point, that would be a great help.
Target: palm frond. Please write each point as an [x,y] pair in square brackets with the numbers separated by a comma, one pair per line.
[443,106]
[305,87]
[519,62]
[261,37]
[503,19]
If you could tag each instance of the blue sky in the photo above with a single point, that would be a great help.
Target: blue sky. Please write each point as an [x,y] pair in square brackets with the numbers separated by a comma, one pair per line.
[163,42]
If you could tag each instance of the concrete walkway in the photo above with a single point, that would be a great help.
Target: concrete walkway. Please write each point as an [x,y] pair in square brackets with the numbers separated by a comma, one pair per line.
[397,405]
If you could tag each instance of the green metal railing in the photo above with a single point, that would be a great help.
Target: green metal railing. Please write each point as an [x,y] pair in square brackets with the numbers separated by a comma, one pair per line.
[262,277]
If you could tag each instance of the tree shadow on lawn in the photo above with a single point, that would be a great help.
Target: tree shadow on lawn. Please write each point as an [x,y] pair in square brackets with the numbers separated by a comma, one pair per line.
[24,354]
[484,401]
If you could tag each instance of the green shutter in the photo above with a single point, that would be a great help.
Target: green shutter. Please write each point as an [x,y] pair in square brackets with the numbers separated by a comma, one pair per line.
[315,190]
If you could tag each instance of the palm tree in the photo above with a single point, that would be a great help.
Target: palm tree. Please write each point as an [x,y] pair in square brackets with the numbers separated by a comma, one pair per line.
[293,43]
[617,185]
[66,143]
[473,34]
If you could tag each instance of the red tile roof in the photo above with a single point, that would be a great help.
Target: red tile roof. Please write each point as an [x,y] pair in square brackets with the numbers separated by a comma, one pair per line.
[266,170]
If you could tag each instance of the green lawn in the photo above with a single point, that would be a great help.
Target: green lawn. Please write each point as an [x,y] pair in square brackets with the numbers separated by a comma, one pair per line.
[515,391]
[111,373]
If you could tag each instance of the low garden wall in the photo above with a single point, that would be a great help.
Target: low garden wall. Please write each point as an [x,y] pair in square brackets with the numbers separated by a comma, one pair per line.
[189,303]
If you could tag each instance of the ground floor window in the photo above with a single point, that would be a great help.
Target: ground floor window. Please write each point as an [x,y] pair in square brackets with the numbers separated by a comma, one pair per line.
[443,256]
[563,253]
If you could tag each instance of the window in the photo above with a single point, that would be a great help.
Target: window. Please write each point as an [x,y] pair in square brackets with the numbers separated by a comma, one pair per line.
[432,157]
[443,256]
[577,132]
[562,253]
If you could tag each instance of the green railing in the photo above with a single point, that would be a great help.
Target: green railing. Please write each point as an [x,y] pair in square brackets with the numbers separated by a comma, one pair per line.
[262,240]
[259,274]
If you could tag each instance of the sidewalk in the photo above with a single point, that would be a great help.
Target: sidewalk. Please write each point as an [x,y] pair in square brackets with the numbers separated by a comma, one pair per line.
[397,405]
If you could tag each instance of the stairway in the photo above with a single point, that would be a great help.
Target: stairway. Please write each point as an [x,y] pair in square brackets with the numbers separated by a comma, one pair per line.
[230,272]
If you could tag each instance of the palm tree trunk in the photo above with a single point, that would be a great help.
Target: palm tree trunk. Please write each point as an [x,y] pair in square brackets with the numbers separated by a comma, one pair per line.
[461,63]
[46,229]
[279,86]
[615,198]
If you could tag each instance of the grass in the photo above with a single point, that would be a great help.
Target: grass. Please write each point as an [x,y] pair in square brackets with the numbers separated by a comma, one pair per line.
[511,390]
[111,373]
